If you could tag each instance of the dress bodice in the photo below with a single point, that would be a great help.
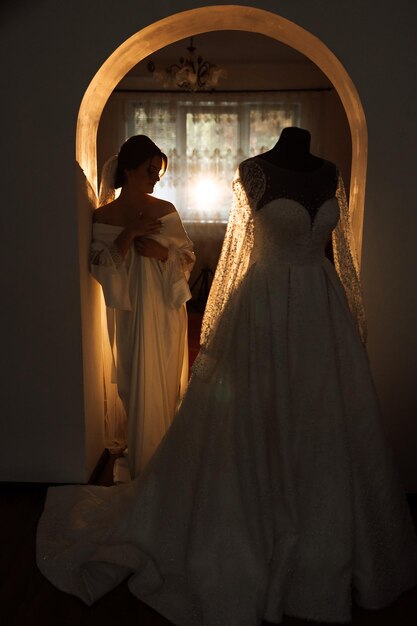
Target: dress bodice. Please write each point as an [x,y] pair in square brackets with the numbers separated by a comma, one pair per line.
[284,232]
[310,188]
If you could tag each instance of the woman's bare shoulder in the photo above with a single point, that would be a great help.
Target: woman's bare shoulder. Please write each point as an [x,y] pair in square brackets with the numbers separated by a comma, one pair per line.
[163,207]
[105,214]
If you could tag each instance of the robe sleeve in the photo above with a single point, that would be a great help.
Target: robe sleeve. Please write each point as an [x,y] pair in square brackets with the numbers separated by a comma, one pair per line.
[109,269]
[177,268]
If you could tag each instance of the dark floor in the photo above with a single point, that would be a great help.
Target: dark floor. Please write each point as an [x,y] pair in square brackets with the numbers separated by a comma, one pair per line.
[28,599]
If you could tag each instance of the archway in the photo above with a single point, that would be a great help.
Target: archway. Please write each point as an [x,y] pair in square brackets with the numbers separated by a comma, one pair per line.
[142,44]
[211,18]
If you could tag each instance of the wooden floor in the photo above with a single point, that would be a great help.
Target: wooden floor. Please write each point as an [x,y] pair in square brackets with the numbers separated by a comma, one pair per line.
[28,599]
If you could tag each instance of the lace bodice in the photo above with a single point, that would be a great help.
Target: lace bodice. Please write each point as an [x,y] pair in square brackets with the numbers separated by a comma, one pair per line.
[284,232]
[311,189]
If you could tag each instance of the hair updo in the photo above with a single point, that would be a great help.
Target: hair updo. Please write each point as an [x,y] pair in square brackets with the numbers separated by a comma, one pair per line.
[135,151]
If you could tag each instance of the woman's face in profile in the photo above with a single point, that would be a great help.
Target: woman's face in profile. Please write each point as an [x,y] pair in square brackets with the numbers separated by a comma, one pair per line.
[145,176]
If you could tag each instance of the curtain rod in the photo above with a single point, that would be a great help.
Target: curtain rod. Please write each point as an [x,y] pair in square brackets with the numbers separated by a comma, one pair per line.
[178,91]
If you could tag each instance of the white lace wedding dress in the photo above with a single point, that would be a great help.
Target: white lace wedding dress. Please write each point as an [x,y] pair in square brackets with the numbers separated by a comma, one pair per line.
[273,492]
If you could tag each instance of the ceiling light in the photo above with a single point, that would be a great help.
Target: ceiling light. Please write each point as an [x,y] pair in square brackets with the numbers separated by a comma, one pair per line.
[191,73]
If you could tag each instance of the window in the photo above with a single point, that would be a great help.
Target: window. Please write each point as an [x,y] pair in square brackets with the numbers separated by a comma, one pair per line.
[205,140]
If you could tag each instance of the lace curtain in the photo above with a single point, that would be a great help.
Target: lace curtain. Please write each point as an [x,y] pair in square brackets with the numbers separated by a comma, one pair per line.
[207,135]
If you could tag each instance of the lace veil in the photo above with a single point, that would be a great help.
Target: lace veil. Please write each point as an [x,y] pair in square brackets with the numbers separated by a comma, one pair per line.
[107,191]
[248,188]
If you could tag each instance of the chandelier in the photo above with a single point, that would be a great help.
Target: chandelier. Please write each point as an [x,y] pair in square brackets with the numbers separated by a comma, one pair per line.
[191,73]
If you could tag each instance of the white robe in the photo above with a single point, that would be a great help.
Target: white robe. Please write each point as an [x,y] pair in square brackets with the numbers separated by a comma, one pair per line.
[147,325]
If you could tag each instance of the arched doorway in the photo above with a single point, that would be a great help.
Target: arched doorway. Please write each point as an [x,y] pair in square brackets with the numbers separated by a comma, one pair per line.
[206,19]
[133,50]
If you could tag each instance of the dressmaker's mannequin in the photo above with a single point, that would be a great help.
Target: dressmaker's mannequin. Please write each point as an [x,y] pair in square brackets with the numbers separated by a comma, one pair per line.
[298,174]
[292,151]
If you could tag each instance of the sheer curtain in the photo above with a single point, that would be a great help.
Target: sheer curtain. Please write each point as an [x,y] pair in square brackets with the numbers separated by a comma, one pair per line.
[207,135]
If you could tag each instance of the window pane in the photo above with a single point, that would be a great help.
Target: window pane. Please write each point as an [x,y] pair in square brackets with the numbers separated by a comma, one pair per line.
[212,138]
[157,122]
[205,141]
[266,124]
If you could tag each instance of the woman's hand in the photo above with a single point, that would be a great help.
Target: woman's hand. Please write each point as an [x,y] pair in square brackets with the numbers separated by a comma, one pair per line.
[138,228]
[151,248]
[145,226]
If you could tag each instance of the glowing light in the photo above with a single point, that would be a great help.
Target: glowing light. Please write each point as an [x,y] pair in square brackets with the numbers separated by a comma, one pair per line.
[206,192]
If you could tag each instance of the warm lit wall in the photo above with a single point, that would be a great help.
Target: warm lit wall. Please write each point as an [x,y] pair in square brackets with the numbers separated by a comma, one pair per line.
[49,53]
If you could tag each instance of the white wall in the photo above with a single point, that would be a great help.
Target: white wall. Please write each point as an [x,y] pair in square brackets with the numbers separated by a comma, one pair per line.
[49,52]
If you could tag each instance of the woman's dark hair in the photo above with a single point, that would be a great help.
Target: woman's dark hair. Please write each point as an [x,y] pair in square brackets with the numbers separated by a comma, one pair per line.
[135,151]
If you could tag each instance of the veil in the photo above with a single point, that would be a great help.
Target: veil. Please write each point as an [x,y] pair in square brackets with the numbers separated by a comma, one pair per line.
[248,187]
[108,174]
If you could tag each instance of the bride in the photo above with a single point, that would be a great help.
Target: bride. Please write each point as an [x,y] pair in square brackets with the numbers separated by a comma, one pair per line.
[142,257]
[273,492]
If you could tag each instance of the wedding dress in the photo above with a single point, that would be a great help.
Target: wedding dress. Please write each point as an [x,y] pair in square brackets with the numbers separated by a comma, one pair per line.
[273,492]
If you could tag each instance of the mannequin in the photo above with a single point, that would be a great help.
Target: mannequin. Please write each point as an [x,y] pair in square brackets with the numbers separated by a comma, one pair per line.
[292,151]
[300,175]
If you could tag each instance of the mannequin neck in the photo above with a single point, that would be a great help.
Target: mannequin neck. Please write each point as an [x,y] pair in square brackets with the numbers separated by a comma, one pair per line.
[292,151]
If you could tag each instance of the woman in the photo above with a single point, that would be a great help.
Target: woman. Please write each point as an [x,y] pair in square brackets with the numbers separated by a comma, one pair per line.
[273,492]
[142,257]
